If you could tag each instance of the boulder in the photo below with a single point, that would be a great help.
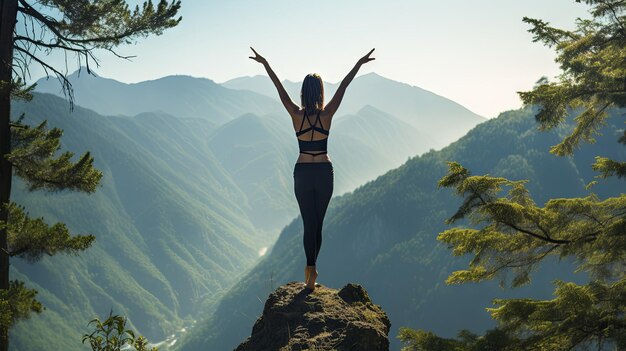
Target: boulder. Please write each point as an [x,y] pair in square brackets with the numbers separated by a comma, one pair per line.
[294,318]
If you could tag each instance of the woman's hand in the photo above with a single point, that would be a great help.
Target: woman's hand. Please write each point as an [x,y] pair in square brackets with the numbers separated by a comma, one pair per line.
[258,58]
[291,107]
[333,104]
[366,58]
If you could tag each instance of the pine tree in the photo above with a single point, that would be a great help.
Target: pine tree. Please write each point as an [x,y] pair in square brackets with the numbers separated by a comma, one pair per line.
[73,27]
[514,235]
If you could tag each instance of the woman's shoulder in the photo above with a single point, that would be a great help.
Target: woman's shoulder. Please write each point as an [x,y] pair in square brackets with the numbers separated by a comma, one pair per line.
[302,111]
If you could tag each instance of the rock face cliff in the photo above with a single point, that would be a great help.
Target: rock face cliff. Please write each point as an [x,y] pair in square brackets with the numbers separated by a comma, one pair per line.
[294,318]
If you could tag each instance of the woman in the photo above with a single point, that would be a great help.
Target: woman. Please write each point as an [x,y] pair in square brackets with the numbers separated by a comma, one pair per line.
[313,171]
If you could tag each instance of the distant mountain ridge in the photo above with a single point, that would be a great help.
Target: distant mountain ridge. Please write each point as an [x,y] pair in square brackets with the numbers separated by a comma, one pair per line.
[181,96]
[378,128]
[442,119]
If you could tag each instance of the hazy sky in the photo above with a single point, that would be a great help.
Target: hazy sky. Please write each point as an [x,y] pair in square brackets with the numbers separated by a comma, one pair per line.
[477,52]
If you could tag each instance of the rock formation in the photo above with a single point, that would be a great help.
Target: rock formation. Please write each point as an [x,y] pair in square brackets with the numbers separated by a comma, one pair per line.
[294,318]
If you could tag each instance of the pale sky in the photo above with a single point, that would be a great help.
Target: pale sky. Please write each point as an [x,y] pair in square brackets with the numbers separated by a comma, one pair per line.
[477,53]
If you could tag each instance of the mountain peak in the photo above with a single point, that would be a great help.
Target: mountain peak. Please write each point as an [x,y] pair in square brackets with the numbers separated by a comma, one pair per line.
[372,74]
[83,70]
[367,108]
[184,78]
[294,318]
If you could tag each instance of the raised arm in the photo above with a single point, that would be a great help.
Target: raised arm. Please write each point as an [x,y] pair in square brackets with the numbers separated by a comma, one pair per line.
[334,103]
[291,107]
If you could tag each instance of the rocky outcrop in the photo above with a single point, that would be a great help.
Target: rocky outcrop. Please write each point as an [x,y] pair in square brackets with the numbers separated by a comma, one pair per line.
[294,318]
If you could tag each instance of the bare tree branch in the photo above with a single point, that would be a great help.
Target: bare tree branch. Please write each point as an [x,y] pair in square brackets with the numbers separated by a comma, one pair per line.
[66,84]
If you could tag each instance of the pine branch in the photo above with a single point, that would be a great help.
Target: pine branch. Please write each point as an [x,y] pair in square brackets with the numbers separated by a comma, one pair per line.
[567,224]
[615,17]
[588,122]
[32,153]
[608,167]
[535,235]
[31,238]
[66,85]
[161,20]
[57,45]
[16,303]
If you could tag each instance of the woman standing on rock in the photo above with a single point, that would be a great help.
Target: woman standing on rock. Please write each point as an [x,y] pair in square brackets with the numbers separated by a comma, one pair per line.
[313,172]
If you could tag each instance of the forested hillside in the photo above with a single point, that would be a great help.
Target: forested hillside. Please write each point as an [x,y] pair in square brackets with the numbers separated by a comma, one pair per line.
[170,225]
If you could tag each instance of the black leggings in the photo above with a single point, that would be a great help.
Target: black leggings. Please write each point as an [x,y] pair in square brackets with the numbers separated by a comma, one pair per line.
[313,185]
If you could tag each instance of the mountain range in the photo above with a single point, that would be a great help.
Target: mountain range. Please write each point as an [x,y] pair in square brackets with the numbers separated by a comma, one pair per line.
[431,114]
[181,96]
[357,143]
[184,96]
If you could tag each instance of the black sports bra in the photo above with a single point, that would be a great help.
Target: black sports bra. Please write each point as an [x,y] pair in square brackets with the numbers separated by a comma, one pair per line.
[312,145]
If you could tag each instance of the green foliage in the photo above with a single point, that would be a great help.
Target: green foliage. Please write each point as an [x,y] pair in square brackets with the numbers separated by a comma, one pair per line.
[31,238]
[112,335]
[31,156]
[587,315]
[109,23]
[18,89]
[32,151]
[420,340]
[516,234]
[17,303]
[519,234]
[608,167]
[593,63]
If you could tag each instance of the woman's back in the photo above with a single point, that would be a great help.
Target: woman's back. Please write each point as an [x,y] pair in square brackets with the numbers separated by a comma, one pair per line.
[312,133]
[311,124]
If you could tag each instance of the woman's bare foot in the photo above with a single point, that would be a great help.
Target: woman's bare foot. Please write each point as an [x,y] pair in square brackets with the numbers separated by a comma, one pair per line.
[310,283]
[306,274]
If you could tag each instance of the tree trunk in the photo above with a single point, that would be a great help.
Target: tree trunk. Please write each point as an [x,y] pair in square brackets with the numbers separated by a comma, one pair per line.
[8,16]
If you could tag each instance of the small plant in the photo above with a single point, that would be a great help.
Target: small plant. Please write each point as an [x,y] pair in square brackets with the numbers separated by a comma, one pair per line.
[112,335]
